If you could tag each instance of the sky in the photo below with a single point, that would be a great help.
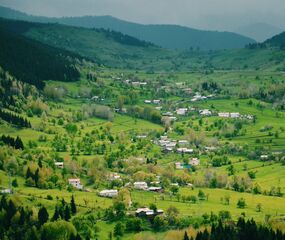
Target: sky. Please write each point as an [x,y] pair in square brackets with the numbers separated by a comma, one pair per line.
[203,14]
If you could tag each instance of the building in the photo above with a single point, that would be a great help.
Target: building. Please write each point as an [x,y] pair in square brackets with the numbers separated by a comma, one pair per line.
[6,191]
[167,114]
[194,161]
[183,142]
[59,164]
[156,101]
[205,112]
[155,189]
[179,165]
[224,114]
[75,182]
[181,111]
[185,150]
[108,193]
[235,115]
[146,212]
[147,101]
[140,185]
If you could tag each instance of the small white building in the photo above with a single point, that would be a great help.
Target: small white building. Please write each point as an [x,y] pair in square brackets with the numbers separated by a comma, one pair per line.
[156,101]
[194,161]
[108,193]
[224,114]
[264,157]
[148,212]
[6,191]
[75,182]
[154,189]
[183,142]
[179,165]
[140,185]
[235,115]
[167,114]
[59,164]
[181,111]
[205,112]
[147,101]
[185,150]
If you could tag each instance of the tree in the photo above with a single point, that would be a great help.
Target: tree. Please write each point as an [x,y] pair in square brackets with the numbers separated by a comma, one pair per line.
[258,207]
[241,203]
[159,223]
[67,214]
[119,229]
[201,195]
[174,189]
[59,230]
[185,236]
[73,205]
[153,207]
[42,215]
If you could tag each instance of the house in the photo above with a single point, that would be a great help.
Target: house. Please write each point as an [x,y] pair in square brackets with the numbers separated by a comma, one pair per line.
[155,189]
[179,165]
[6,191]
[181,111]
[224,114]
[108,193]
[264,157]
[185,150]
[235,115]
[194,161]
[147,101]
[174,184]
[59,164]
[210,149]
[95,98]
[156,101]
[158,108]
[141,136]
[167,114]
[172,119]
[146,212]
[75,182]
[114,176]
[205,112]
[135,84]
[183,142]
[140,185]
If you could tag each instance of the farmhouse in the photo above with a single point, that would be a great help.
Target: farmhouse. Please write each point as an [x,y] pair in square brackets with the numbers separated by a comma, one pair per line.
[264,157]
[108,193]
[147,101]
[75,182]
[140,185]
[156,101]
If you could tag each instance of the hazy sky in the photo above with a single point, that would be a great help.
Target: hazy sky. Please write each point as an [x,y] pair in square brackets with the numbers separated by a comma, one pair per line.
[206,14]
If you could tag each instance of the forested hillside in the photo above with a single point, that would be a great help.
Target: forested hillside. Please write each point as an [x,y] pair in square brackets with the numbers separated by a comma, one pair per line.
[33,62]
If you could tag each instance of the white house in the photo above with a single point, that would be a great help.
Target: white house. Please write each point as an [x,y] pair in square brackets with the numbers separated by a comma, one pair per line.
[148,212]
[147,101]
[6,191]
[185,150]
[235,115]
[114,176]
[59,164]
[183,142]
[140,185]
[168,114]
[75,182]
[156,101]
[194,161]
[264,157]
[108,193]
[179,165]
[181,111]
[155,189]
[224,114]
[205,112]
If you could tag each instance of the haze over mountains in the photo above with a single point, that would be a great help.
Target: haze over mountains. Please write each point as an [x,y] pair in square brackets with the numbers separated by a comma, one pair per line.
[166,36]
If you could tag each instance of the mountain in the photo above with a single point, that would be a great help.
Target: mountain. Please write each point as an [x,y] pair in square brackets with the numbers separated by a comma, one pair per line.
[277,41]
[110,48]
[166,36]
[30,61]
[259,31]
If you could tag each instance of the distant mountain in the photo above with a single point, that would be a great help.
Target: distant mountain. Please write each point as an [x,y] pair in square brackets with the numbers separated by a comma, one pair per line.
[259,31]
[32,62]
[166,36]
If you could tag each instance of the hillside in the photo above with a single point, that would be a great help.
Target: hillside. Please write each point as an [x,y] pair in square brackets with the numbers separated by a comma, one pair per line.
[30,61]
[277,41]
[166,36]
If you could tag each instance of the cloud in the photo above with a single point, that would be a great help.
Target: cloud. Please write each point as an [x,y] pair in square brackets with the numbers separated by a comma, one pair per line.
[207,14]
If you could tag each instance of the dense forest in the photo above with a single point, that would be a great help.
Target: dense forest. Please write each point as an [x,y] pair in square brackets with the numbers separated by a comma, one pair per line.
[30,61]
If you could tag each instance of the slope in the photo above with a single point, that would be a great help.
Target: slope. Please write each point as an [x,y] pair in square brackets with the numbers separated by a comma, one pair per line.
[167,36]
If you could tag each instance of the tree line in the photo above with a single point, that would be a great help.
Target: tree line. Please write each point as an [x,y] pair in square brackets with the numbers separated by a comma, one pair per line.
[15,119]
[13,142]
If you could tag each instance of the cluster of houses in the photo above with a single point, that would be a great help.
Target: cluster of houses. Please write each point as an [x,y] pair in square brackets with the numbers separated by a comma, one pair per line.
[170,145]
[234,115]
[135,83]
[199,97]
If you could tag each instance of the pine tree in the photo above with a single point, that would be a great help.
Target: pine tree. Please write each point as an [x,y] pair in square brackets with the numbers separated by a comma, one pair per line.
[56,214]
[73,206]
[42,215]
[36,177]
[67,214]
[186,236]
